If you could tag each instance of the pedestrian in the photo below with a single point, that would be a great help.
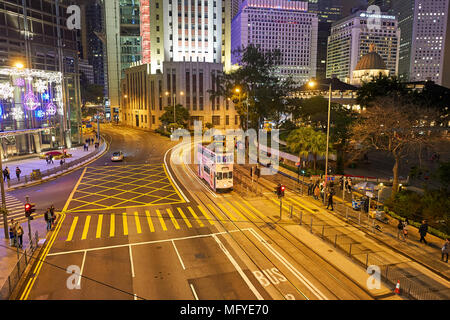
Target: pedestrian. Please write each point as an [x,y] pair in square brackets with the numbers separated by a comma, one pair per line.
[330,200]
[46,159]
[13,229]
[400,230]
[87,146]
[445,250]
[19,232]
[53,215]
[349,185]
[51,158]
[423,229]
[316,192]
[48,219]
[18,172]
[11,235]
[405,227]
[5,174]
[61,162]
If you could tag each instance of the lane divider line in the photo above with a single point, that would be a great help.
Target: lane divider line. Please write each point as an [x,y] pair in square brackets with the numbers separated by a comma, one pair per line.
[174,221]
[138,223]
[125,223]
[99,226]
[206,215]
[178,254]
[112,226]
[196,217]
[224,209]
[72,229]
[86,228]
[161,220]
[149,221]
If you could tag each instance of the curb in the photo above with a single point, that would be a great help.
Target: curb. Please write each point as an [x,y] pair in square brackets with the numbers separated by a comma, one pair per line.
[49,178]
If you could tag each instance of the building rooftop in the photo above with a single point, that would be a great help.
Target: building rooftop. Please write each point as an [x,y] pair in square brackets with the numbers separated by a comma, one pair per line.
[371,61]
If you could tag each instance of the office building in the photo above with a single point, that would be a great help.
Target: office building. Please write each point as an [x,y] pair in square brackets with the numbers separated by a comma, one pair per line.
[351,38]
[283,25]
[35,114]
[424,44]
[122,36]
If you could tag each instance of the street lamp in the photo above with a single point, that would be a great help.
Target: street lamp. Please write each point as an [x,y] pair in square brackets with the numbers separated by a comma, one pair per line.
[312,84]
[238,91]
[19,65]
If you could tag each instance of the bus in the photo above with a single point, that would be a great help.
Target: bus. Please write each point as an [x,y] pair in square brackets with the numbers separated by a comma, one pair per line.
[215,166]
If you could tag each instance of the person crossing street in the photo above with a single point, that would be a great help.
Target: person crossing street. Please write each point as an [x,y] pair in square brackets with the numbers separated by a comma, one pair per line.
[18,172]
[423,229]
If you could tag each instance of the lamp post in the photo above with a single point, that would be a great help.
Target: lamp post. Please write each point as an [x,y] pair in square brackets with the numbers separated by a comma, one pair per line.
[313,84]
[5,219]
[173,100]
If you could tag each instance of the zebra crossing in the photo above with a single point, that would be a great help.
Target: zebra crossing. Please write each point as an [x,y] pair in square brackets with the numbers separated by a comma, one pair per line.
[152,220]
[16,208]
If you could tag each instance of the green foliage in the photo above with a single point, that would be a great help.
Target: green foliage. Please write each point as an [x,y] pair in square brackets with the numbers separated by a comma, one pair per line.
[433,206]
[181,114]
[306,140]
[209,125]
[443,175]
[380,86]
[260,90]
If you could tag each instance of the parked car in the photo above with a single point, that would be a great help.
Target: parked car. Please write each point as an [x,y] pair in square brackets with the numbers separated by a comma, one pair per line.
[117,156]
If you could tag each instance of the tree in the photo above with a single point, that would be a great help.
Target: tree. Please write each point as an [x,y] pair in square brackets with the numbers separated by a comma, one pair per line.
[397,129]
[380,86]
[181,115]
[306,140]
[261,91]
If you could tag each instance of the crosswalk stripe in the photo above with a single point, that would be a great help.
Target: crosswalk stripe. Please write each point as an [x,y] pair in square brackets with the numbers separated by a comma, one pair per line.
[86,228]
[112,225]
[206,215]
[161,220]
[196,217]
[245,210]
[237,211]
[99,226]
[138,223]
[174,221]
[184,218]
[149,221]
[254,209]
[72,229]
[218,215]
[125,224]
[227,212]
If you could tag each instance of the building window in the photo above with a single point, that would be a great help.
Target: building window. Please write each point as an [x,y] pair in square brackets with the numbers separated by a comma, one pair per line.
[216,120]
[227,120]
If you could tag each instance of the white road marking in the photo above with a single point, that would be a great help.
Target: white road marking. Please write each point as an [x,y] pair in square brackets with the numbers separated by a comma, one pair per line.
[171,177]
[238,268]
[131,260]
[82,267]
[143,243]
[193,291]
[178,254]
[290,267]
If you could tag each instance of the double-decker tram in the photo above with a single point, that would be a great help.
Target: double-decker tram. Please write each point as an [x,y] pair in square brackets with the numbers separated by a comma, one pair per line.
[215,165]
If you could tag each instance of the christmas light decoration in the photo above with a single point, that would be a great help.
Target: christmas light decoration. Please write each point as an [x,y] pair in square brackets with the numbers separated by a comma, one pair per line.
[30,101]
[17,113]
[19,82]
[6,90]
[39,113]
[50,109]
[40,85]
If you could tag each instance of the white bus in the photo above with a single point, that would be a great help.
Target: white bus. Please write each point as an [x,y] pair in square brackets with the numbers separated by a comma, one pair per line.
[215,166]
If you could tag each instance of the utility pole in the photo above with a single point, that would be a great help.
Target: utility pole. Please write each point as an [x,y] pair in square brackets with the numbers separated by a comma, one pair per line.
[5,218]
[328,139]
[29,225]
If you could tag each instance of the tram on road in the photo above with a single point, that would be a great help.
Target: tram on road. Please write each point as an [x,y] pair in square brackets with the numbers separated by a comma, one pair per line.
[215,166]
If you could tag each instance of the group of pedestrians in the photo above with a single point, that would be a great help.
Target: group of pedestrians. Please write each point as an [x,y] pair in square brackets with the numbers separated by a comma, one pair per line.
[7,174]
[88,142]
[402,229]
[49,159]
[16,234]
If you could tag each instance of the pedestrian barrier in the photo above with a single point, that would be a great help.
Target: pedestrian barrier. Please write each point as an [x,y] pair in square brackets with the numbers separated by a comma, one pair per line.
[24,180]
[24,258]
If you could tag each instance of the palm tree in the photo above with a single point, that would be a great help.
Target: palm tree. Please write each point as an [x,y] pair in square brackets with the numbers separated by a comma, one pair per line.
[306,140]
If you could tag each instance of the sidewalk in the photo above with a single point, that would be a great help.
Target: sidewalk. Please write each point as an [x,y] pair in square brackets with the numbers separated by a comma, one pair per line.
[8,254]
[47,170]
[427,255]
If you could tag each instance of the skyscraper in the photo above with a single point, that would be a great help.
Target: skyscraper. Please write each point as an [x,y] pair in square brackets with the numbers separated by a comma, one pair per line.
[283,25]
[351,38]
[424,44]
[123,42]
[95,48]
[328,11]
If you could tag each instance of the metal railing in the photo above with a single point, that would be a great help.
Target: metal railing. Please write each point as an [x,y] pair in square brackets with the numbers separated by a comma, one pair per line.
[26,179]
[24,258]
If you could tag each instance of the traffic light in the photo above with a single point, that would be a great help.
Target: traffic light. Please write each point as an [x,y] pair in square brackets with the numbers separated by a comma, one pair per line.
[29,209]
[282,188]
